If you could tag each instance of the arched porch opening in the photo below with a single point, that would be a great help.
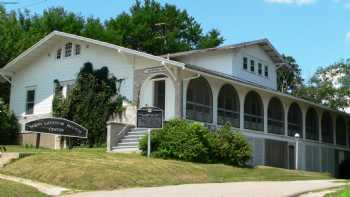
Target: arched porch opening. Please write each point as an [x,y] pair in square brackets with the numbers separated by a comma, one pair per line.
[312,130]
[199,103]
[253,112]
[228,106]
[295,120]
[327,128]
[275,116]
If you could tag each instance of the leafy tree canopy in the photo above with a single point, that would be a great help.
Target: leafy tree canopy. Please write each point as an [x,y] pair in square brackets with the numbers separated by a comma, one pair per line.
[330,86]
[289,80]
[149,26]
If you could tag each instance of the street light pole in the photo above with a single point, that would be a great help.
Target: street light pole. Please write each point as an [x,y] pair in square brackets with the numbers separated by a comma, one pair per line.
[297,136]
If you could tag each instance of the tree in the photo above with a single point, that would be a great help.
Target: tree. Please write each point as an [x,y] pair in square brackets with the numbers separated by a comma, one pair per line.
[150,26]
[330,86]
[91,102]
[289,80]
[8,125]
[159,29]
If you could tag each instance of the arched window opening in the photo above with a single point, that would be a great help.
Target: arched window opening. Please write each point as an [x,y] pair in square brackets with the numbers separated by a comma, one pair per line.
[294,120]
[275,117]
[312,130]
[341,131]
[199,105]
[327,128]
[228,106]
[253,112]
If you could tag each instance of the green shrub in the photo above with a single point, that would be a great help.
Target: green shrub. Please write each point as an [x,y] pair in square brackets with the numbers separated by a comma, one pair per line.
[231,147]
[182,140]
[9,126]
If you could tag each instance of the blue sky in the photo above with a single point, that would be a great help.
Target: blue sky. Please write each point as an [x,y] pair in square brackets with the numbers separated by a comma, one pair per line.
[315,32]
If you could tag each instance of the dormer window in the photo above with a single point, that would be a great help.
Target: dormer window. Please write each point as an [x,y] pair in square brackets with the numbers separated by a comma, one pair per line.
[259,68]
[59,54]
[252,65]
[68,49]
[266,71]
[245,63]
[77,49]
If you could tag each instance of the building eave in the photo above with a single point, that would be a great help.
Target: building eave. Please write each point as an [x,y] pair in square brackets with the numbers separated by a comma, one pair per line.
[119,49]
[265,44]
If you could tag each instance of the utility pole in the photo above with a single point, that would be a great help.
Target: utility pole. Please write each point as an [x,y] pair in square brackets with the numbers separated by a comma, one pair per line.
[161,28]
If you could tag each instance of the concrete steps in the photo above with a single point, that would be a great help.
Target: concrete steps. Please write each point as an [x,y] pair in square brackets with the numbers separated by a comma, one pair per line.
[130,142]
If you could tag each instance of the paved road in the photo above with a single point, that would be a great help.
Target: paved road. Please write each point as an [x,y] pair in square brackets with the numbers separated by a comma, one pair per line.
[237,189]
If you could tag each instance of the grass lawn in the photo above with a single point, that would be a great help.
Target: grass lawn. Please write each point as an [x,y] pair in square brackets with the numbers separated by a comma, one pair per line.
[94,169]
[344,192]
[12,189]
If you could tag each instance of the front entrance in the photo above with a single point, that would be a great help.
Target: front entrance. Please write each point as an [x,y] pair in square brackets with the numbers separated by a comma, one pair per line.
[159,94]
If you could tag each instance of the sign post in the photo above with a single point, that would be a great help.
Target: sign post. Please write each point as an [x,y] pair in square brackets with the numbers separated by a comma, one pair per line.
[149,118]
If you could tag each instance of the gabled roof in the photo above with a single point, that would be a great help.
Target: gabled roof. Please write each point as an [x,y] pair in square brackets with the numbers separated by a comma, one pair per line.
[265,44]
[56,35]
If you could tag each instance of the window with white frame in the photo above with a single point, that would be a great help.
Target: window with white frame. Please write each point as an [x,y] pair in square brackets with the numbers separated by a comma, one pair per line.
[68,49]
[252,66]
[245,63]
[59,54]
[77,49]
[259,68]
[30,100]
[266,71]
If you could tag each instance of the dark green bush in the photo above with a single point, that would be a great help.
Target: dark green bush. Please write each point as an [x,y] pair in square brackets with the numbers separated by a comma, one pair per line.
[187,141]
[231,147]
[9,126]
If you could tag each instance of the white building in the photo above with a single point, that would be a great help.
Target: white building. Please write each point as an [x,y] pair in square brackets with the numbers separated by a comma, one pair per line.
[235,84]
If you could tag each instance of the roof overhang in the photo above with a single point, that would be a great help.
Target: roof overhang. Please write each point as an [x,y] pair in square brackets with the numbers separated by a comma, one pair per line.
[242,82]
[57,36]
[265,44]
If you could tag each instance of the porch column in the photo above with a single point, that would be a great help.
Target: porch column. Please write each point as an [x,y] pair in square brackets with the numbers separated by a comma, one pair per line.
[266,106]
[215,105]
[347,131]
[241,109]
[178,94]
[303,112]
[334,120]
[319,113]
[286,107]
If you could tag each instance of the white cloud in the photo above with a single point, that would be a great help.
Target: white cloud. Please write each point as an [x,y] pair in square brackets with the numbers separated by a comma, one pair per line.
[292,2]
[348,36]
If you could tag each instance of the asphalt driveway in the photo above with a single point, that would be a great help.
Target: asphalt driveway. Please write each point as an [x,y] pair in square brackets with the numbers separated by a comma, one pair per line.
[237,189]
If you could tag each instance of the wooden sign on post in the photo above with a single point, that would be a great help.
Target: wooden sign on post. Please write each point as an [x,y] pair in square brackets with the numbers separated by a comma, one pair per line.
[150,118]
[57,126]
